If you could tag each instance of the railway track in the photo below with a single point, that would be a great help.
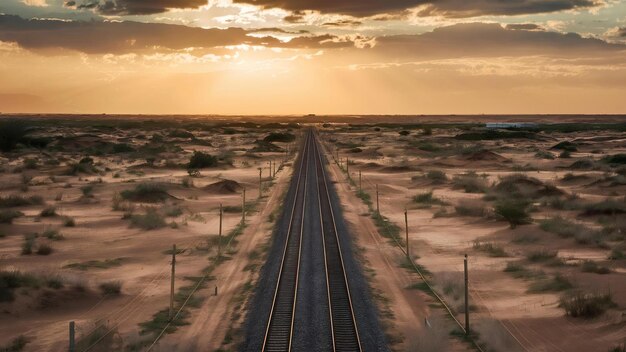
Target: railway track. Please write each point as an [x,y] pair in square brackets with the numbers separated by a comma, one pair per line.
[279,332]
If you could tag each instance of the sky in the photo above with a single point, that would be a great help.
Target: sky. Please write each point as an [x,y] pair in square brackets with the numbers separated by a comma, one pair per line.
[286,57]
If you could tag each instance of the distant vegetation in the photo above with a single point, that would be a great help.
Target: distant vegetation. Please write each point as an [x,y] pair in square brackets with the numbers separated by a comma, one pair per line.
[146,192]
[200,160]
[284,137]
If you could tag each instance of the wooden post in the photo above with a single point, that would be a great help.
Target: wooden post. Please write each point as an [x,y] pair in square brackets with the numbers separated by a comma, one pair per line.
[360,180]
[215,290]
[243,207]
[171,315]
[72,347]
[467,319]
[377,204]
[406,227]
[219,235]
[348,167]
[260,183]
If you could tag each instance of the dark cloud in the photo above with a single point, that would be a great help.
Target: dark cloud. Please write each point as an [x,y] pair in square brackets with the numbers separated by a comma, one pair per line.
[464,8]
[134,7]
[125,37]
[342,23]
[524,26]
[491,40]
[447,8]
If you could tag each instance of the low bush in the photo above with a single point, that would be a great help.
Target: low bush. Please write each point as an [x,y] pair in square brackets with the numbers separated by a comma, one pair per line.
[16,345]
[589,266]
[492,249]
[436,176]
[52,234]
[8,215]
[567,229]
[151,220]
[44,249]
[284,137]
[13,279]
[513,211]
[470,182]
[470,208]
[111,288]
[87,191]
[586,305]
[48,212]
[427,199]
[68,221]
[615,159]
[557,283]
[541,255]
[146,192]
[200,160]
[15,200]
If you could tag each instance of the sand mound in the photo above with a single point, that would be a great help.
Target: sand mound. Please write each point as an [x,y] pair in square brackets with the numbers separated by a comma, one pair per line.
[486,155]
[224,187]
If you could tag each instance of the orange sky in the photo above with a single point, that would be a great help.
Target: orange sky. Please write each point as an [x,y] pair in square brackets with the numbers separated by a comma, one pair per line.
[323,57]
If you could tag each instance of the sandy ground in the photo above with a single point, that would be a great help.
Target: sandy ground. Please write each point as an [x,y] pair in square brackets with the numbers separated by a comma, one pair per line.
[506,315]
[142,265]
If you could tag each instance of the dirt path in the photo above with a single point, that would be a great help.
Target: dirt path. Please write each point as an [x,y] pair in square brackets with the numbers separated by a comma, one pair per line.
[210,323]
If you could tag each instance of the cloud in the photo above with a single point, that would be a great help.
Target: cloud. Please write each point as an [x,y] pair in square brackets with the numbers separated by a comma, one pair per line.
[492,40]
[524,26]
[445,8]
[35,3]
[133,7]
[121,37]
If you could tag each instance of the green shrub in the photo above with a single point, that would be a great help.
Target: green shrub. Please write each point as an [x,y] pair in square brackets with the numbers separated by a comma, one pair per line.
[615,159]
[588,305]
[151,220]
[200,160]
[15,200]
[513,211]
[541,255]
[146,192]
[436,176]
[491,248]
[44,249]
[11,280]
[427,198]
[111,288]
[566,229]
[68,221]
[8,215]
[566,145]
[16,345]
[284,137]
[589,266]
[470,182]
[87,191]
[544,155]
[48,212]
[556,283]
[470,208]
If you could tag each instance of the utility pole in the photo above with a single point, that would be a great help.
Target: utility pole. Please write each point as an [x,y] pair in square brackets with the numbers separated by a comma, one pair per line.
[467,319]
[72,337]
[406,227]
[360,181]
[377,204]
[260,183]
[219,235]
[171,315]
[243,207]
